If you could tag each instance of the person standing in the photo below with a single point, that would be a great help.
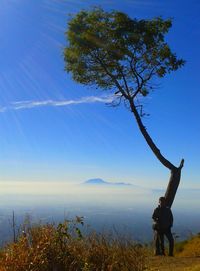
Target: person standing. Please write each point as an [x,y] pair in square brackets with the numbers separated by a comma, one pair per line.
[162,224]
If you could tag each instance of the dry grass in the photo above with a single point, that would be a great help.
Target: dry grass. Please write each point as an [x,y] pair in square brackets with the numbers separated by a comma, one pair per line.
[187,257]
[191,248]
[62,247]
[196,268]
[59,248]
[174,263]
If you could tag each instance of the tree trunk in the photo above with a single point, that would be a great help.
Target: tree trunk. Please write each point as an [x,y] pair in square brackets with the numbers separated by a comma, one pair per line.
[173,184]
[175,171]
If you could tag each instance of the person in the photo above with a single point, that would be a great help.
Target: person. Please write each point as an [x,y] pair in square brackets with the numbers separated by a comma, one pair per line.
[162,224]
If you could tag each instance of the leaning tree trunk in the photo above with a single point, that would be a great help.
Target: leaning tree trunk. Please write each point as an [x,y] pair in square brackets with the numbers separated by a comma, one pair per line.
[173,184]
[175,171]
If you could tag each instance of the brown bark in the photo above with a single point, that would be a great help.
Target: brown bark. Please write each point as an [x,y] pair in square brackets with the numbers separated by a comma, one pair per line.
[175,171]
[173,184]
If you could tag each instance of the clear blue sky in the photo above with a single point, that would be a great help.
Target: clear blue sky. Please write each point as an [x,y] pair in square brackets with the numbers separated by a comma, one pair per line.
[52,129]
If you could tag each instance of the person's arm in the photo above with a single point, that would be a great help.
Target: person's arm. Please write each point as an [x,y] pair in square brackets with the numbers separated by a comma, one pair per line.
[155,215]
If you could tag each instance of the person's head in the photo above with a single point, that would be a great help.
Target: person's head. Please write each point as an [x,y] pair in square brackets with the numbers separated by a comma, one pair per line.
[162,201]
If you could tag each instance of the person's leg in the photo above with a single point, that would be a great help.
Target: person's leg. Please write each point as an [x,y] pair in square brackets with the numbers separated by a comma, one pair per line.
[162,244]
[171,241]
[157,242]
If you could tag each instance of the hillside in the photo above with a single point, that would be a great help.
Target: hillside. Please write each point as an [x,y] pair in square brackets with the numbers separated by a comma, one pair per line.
[187,257]
[63,247]
[174,264]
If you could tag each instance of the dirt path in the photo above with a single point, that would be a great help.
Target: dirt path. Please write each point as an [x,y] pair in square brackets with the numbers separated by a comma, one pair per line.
[160,263]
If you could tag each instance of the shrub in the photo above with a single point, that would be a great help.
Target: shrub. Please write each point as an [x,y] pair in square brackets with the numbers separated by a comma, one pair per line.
[63,247]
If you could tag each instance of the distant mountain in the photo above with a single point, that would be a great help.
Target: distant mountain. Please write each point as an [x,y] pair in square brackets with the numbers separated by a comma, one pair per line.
[95,181]
[98,181]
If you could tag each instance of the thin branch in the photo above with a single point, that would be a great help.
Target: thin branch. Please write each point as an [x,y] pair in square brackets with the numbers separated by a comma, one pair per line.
[124,79]
[149,140]
[135,75]
[111,76]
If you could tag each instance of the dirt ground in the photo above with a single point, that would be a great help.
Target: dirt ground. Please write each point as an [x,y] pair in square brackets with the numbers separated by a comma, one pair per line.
[162,263]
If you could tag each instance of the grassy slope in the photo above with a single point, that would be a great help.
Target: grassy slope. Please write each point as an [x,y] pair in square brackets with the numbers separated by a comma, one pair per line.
[63,248]
[187,257]
[43,247]
[174,264]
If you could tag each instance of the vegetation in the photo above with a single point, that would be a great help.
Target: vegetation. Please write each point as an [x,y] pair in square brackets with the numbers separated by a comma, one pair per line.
[189,248]
[196,268]
[125,56]
[63,247]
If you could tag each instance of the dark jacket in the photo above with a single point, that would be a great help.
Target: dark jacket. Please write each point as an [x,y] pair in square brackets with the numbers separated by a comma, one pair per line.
[163,218]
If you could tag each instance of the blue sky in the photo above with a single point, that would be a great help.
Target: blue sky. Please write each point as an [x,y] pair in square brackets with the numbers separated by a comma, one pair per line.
[53,129]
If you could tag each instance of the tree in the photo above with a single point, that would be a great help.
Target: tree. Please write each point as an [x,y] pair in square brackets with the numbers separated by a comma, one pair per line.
[111,51]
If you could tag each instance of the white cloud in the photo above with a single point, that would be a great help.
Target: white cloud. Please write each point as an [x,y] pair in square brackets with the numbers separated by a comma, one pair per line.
[55,103]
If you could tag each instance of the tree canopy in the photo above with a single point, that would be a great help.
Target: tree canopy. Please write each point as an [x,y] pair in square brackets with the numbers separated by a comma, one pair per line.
[110,50]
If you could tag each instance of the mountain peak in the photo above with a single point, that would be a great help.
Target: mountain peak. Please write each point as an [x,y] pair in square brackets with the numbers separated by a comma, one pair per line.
[95,181]
[99,181]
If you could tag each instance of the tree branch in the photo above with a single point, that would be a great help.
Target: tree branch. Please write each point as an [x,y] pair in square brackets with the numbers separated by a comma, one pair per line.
[135,74]
[149,140]
[124,79]
[103,65]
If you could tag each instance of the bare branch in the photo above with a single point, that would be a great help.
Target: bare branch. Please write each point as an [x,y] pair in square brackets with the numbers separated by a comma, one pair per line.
[148,139]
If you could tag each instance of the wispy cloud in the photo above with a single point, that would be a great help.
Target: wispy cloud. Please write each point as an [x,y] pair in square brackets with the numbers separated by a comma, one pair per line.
[20,105]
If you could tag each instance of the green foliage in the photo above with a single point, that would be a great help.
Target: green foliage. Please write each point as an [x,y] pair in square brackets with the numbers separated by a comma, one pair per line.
[63,247]
[111,50]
